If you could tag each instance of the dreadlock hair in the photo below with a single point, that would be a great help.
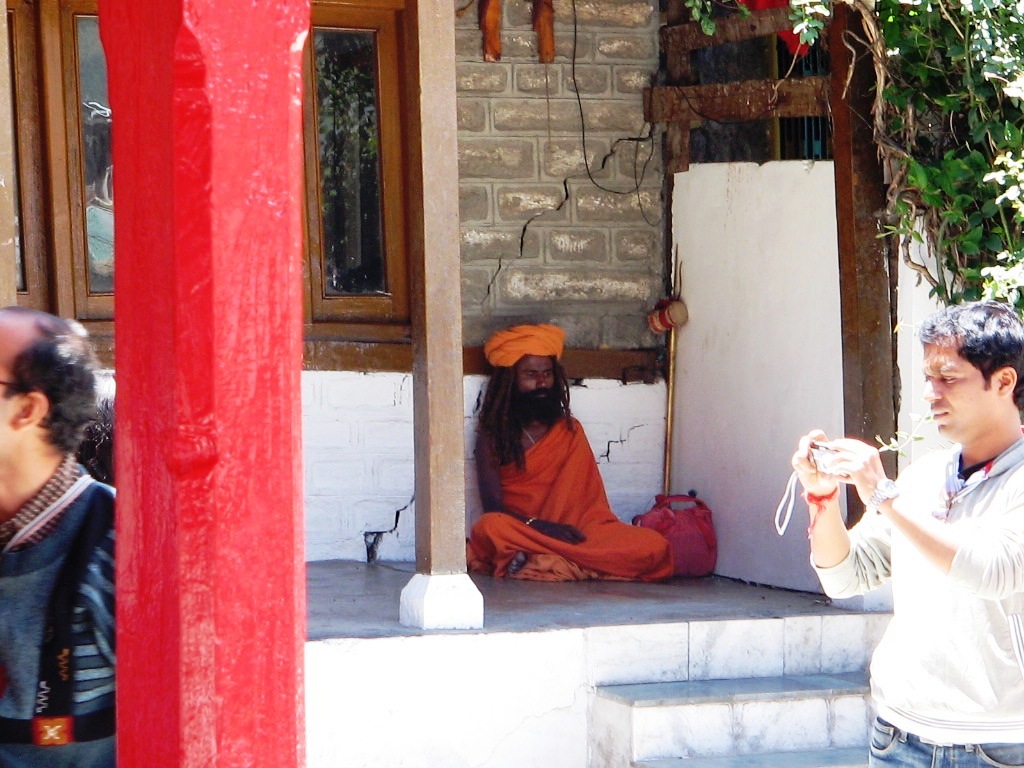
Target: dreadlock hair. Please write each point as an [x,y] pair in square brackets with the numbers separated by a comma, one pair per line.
[499,422]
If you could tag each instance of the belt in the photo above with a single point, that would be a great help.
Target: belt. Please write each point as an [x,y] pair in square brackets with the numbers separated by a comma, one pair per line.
[931,743]
[908,736]
[58,731]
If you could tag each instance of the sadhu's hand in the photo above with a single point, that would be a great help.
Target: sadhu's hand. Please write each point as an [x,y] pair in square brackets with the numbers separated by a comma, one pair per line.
[567,533]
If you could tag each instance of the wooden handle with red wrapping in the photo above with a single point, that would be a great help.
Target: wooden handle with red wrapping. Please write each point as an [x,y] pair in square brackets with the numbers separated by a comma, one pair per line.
[490,25]
[544,26]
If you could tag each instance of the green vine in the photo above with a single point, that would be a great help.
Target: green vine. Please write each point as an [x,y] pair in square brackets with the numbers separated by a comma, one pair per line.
[704,12]
[948,122]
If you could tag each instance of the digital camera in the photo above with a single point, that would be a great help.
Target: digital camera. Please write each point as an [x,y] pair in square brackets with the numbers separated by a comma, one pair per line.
[824,457]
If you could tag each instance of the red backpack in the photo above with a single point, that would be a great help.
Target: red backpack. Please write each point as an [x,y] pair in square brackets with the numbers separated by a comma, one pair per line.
[689,530]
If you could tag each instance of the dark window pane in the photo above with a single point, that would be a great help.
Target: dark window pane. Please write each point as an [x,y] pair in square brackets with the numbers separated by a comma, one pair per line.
[97,160]
[350,204]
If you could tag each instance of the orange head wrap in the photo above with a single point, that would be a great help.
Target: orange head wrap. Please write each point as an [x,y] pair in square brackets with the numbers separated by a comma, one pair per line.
[505,348]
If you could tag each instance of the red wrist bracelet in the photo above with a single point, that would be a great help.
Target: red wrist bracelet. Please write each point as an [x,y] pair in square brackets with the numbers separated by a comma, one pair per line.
[820,501]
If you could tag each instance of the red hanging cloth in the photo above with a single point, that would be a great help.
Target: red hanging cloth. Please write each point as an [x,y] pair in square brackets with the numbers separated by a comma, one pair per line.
[790,38]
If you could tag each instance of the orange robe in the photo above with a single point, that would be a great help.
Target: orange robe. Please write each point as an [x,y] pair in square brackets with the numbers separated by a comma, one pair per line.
[561,483]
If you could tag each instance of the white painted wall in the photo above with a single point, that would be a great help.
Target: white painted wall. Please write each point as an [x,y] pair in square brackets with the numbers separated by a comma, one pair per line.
[913,306]
[358,455]
[759,362]
[448,701]
[525,699]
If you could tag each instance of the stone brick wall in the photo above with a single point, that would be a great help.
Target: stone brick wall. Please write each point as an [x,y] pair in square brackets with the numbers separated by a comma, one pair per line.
[591,260]
[357,432]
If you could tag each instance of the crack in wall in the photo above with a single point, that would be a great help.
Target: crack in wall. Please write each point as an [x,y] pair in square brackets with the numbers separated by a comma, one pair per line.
[566,194]
[635,189]
[373,539]
[606,456]
[515,730]
[400,391]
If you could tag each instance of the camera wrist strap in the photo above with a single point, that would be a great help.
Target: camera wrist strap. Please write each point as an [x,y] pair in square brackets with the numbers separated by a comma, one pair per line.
[785,509]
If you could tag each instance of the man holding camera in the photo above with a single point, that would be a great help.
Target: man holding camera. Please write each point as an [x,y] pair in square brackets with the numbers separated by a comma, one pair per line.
[948,676]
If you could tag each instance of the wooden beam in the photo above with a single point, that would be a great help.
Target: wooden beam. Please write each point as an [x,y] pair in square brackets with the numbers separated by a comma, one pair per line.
[866,268]
[8,171]
[737,102]
[677,148]
[680,40]
[329,354]
[439,440]
[622,364]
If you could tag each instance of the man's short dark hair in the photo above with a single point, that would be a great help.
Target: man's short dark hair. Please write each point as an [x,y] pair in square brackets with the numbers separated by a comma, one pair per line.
[987,334]
[61,364]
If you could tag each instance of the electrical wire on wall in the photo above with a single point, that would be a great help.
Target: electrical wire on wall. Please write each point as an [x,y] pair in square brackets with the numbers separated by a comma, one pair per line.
[640,168]
[637,140]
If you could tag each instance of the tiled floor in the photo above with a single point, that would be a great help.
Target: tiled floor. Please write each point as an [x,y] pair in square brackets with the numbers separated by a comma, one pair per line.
[351,599]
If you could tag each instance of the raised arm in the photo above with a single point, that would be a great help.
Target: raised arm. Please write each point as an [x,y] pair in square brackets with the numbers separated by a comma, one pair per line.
[859,465]
[830,543]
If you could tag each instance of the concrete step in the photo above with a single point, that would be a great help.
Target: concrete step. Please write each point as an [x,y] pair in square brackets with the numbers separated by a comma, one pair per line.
[734,717]
[818,758]
[834,641]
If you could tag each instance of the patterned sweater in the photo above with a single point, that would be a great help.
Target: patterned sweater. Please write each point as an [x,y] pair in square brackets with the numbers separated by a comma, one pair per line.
[28,575]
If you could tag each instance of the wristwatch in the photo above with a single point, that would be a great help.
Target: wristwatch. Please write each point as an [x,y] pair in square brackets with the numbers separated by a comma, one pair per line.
[884,491]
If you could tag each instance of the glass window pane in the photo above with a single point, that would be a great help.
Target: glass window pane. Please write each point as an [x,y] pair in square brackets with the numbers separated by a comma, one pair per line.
[97,161]
[350,205]
[15,198]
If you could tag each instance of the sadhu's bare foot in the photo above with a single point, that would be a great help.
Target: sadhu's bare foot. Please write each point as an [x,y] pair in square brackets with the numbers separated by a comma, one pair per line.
[515,565]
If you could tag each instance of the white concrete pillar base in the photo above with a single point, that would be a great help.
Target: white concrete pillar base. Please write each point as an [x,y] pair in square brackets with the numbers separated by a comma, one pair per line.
[442,601]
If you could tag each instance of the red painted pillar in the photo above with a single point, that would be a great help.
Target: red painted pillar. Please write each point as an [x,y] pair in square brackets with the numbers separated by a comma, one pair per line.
[211,599]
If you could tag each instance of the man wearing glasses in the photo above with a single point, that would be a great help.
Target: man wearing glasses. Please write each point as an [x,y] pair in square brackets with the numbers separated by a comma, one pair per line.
[56,553]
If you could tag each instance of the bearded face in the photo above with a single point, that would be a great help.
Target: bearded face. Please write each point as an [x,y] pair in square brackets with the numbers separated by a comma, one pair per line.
[541,404]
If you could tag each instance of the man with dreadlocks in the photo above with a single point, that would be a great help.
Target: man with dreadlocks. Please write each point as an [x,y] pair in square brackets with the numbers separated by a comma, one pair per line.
[546,517]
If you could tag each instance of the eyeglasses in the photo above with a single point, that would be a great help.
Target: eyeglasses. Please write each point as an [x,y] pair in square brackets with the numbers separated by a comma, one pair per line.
[12,385]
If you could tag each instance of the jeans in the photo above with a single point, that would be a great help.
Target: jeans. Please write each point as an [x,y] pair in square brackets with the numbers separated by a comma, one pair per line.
[892,747]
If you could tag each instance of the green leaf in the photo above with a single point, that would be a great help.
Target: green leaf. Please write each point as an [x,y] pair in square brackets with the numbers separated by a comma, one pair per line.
[917,176]
[994,243]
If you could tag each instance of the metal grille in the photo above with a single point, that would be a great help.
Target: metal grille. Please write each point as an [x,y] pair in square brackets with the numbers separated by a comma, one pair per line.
[804,138]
